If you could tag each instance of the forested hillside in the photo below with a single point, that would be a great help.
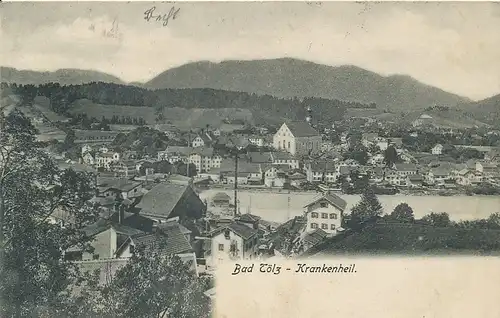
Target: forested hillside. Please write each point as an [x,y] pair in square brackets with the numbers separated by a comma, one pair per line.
[264,108]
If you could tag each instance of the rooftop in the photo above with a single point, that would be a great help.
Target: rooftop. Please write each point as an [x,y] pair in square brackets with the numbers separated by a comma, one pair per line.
[301,129]
[334,199]
[162,199]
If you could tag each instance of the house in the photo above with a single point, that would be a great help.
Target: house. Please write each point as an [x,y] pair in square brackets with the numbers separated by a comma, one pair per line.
[276,175]
[250,220]
[280,158]
[312,238]
[86,149]
[405,169]
[325,213]
[467,177]
[439,176]
[119,187]
[88,159]
[437,149]
[234,241]
[124,168]
[260,157]
[487,168]
[175,154]
[168,200]
[204,159]
[256,140]
[94,136]
[423,120]
[221,199]
[297,138]
[107,240]
[416,180]
[205,139]
[104,160]
[321,171]
[397,179]
[297,179]
[368,139]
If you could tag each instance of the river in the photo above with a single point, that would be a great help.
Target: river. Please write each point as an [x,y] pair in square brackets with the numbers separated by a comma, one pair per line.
[274,207]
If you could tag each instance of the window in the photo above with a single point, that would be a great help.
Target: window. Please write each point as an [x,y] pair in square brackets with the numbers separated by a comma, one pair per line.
[332,226]
[333,216]
[324,226]
[314,215]
[95,256]
[314,225]
[226,234]
[324,204]
[288,145]
[324,215]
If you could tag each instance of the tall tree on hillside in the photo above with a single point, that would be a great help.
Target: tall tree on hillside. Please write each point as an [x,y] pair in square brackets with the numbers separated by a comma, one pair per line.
[150,285]
[32,271]
[367,208]
[403,213]
[437,219]
[390,156]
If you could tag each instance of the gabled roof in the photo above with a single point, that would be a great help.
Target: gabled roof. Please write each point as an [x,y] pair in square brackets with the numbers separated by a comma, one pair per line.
[247,217]
[406,167]
[102,225]
[301,129]
[282,155]
[203,151]
[260,157]
[239,229]
[182,150]
[334,199]
[315,237]
[162,199]
[221,196]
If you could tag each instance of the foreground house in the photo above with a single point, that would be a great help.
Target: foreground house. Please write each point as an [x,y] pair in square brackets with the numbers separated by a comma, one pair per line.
[168,200]
[234,241]
[325,213]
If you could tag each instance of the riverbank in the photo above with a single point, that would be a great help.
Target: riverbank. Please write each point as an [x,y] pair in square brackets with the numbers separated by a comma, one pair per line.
[280,206]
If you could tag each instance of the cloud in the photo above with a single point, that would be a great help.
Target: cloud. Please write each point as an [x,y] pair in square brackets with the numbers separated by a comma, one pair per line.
[455,47]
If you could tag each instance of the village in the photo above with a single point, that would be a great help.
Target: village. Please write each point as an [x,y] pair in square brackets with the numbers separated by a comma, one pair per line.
[143,195]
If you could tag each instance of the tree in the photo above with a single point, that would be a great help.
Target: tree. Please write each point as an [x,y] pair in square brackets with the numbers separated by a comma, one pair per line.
[33,273]
[390,156]
[403,213]
[151,284]
[368,208]
[437,219]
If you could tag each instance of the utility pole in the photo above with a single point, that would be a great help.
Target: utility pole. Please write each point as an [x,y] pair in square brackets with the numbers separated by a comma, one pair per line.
[236,183]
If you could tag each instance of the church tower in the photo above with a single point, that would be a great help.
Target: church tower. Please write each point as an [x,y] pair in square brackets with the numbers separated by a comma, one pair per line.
[309,115]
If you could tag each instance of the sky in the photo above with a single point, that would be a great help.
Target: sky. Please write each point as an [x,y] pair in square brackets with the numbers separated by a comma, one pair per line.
[454,45]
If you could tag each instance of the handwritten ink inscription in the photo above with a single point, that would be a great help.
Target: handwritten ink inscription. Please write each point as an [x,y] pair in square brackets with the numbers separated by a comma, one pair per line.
[111,32]
[149,15]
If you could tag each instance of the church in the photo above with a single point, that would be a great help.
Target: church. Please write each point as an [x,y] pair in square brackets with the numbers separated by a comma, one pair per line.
[298,137]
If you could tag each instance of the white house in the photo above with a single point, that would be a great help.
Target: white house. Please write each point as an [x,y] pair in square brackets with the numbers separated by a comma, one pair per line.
[275,176]
[325,213]
[88,159]
[86,148]
[256,140]
[285,158]
[205,159]
[437,149]
[235,241]
[297,138]
[103,160]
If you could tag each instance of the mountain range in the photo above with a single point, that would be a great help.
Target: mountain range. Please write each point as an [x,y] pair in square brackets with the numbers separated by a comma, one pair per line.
[282,77]
[67,76]
[287,77]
